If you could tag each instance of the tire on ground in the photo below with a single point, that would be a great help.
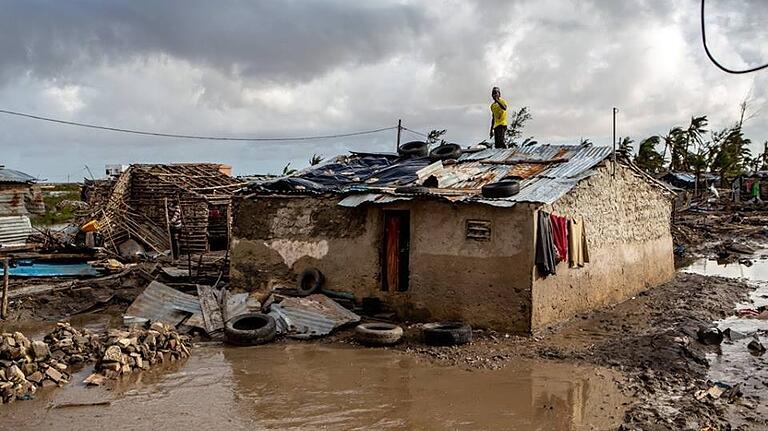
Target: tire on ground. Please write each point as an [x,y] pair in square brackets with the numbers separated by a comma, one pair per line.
[501,189]
[445,152]
[250,329]
[413,149]
[310,280]
[378,334]
[447,333]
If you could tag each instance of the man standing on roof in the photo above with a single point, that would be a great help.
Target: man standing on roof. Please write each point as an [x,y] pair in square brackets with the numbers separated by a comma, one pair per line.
[498,118]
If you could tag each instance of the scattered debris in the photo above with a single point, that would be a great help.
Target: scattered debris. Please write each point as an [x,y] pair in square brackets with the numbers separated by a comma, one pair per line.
[159,302]
[311,316]
[756,347]
[710,335]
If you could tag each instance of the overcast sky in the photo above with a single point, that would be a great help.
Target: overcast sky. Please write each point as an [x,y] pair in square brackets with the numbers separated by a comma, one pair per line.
[297,68]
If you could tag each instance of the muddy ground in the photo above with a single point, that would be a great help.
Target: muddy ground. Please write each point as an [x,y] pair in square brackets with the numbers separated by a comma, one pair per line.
[650,339]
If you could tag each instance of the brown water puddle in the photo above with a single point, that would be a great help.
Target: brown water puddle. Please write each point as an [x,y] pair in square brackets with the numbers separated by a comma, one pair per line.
[313,386]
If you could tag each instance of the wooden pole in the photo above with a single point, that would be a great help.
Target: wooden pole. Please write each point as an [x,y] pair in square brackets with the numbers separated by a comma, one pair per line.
[399,129]
[5,289]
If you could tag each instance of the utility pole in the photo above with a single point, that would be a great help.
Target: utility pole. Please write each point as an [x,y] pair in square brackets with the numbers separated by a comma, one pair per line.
[615,111]
[399,129]
[4,310]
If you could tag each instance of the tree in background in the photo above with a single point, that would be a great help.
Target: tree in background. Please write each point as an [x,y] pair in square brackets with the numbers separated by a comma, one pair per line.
[517,121]
[436,137]
[315,160]
[648,158]
[624,149]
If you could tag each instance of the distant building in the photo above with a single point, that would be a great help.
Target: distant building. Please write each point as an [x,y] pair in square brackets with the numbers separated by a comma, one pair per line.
[687,180]
[419,236]
[20,197]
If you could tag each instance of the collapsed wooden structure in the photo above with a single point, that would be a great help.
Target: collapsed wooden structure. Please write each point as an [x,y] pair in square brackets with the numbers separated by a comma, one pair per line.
[138,204]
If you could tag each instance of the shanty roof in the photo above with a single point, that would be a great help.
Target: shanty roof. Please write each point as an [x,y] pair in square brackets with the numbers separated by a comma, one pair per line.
[545,172]
[203,178]
[13,176]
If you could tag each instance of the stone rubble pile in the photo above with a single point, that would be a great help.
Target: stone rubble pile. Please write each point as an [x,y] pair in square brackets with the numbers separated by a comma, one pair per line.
[138,349]
[73,346]
[26,365]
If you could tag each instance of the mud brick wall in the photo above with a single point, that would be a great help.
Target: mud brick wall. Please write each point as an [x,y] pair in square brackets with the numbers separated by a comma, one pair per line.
[276,238]
[627,220]
[486,283]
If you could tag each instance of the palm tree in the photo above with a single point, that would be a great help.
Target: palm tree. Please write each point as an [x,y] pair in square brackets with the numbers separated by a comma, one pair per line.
[647,157]
[625,149]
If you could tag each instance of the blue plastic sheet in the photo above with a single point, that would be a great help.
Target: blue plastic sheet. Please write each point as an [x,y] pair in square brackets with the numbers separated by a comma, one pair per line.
[30,268]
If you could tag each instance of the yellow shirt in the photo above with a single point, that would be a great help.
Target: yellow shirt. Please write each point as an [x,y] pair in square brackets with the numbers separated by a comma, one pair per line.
[499,115]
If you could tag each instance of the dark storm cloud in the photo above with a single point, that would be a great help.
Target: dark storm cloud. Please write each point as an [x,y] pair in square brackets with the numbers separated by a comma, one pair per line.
[276,40]
[293,68]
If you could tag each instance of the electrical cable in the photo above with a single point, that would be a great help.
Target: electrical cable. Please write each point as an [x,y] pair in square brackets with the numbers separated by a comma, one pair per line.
[208,138]
[712,58]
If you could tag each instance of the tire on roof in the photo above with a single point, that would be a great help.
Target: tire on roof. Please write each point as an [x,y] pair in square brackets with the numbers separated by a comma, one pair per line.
[501,189]
[413,149]
[445,152]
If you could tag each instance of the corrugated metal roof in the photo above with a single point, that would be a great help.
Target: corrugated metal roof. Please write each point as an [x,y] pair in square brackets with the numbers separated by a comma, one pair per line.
[14,176]
[545,172]
[14,230]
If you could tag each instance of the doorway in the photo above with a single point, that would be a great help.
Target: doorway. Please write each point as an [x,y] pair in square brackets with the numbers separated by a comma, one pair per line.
[396,251]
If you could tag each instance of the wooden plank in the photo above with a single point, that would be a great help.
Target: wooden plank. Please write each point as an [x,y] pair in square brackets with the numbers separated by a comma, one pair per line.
[211,310]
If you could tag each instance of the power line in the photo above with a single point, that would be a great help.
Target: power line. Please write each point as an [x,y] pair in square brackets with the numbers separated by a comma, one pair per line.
[712,59]
[415,132]
[173,135]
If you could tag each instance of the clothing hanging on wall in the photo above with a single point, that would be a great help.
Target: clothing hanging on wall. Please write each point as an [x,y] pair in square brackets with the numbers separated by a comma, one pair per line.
[560,236]
[577,242]
[546,259]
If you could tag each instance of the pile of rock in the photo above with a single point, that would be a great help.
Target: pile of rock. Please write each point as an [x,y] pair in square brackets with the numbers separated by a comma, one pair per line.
[138,349]
[26,365]
[73,346]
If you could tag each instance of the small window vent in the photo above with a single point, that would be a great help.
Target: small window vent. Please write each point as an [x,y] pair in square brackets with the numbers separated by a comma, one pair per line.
[479,230]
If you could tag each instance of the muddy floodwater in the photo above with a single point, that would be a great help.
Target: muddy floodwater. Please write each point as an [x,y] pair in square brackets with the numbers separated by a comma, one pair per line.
[306,386]
[733,364]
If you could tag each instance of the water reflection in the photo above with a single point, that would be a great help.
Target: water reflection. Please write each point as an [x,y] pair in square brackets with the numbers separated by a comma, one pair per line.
[757,270]
[311,386]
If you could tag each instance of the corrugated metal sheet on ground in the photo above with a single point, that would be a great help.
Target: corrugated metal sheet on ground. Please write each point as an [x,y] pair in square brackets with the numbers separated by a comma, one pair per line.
[14,230]
[163,303]
[311,316]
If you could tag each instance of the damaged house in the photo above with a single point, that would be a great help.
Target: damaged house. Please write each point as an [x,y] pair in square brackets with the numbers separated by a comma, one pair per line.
[419,236]
[139,200]
[20,197]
